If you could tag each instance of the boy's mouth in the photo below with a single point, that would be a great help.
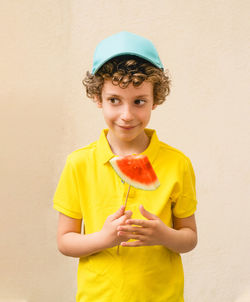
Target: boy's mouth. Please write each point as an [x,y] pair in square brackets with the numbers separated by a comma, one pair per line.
[127,127]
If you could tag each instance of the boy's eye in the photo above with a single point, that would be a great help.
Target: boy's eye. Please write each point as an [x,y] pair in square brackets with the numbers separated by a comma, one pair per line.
[139,102]
[114,101]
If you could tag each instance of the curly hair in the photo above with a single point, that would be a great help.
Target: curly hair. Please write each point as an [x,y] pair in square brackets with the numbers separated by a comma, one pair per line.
[122,71]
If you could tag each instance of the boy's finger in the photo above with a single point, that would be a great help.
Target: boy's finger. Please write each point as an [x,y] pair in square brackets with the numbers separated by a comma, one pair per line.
[118,213]
[133,243]
[147,214]
[140,222]
[128,236]
[126,216]
[131,229]
[128,213]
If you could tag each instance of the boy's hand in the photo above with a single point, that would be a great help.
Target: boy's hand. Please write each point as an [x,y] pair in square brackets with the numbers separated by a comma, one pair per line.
[146,232]
[109,230]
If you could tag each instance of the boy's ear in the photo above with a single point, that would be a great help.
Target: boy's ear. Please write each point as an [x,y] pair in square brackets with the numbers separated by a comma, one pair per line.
[154,106]
[99,104]
[98,101]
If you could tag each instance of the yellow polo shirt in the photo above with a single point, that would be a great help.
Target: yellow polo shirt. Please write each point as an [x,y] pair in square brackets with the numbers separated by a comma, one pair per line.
[89,189]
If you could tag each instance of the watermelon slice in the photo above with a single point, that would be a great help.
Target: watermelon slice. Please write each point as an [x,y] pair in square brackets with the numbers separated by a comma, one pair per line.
[136,170]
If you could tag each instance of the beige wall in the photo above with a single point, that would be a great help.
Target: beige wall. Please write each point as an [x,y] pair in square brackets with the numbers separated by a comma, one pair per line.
[46,47]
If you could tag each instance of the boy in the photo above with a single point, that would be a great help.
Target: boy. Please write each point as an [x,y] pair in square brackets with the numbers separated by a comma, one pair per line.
[127,82]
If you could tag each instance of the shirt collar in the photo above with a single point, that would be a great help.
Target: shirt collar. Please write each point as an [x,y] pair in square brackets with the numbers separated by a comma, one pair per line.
[154,145]
[105,153]
[103,148]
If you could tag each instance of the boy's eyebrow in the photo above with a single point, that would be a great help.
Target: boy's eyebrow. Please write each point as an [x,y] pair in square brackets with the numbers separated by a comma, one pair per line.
[113,94]
[118,96]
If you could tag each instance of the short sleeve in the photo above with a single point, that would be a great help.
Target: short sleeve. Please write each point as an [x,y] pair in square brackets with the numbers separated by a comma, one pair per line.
[186,203]
[66,198]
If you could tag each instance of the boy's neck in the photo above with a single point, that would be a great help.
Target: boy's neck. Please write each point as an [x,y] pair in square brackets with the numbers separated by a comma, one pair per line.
[123,148]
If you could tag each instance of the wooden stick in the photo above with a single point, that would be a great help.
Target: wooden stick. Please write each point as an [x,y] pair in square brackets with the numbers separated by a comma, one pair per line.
[124,211]
[127,197]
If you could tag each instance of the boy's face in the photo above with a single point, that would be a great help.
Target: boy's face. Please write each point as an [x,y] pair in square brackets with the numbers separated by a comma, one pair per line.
[127,111]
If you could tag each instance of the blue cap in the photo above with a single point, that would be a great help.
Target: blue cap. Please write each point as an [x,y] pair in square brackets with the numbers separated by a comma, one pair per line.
[125,43]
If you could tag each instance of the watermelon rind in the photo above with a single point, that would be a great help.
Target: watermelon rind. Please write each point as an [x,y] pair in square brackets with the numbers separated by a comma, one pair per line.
[147,187]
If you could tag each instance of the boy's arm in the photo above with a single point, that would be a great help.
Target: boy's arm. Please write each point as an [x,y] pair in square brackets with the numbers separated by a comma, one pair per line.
[180,239]
[72,243]
[184,234]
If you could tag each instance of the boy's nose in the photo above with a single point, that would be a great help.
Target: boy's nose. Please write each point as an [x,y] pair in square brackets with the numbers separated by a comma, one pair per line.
[127,114]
